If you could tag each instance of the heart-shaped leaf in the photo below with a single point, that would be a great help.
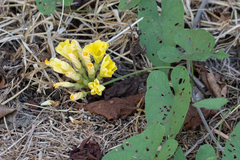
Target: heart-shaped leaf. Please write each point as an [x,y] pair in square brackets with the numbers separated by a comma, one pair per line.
[127,4]
[198,44]
[206,152]
[161,104]
[212,103]
[142,146]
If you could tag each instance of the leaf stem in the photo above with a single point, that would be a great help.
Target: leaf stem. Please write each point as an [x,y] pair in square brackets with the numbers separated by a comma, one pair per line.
[148,69]
[190,69]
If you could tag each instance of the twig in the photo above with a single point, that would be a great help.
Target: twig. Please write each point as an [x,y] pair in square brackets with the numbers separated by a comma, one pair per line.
[203,4]
[113,38]
[189,70]
[20,138]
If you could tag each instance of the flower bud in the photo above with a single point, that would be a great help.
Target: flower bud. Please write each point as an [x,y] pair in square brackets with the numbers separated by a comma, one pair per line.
[75,61]
[91,71]
[63,84]
[86,58]
[79,95]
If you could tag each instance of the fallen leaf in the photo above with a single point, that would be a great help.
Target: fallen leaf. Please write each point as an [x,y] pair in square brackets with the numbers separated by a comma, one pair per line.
[88,150]
[4,111]
[219,89]
[212,83]
[122,89]
[10,114]
[34,104]
[193,120]
[114,108]
[2,82]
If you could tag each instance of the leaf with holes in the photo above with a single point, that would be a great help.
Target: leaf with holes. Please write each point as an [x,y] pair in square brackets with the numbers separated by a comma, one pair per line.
[162,106]
[198,45]
[167,149]
[127,4]
[206,152]
[48,6]
[151,30]
[232,147]
[179,154]
[212,103]
[142,146]
[169,54]
[172,20]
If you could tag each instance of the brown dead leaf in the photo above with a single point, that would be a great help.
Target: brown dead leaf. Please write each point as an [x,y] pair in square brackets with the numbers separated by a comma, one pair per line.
[88,150]
[218,88]
[114,108]
[2,81]
[4,111]
[193,120]
[34,104]
[122,89]
[212,83]
[10,114]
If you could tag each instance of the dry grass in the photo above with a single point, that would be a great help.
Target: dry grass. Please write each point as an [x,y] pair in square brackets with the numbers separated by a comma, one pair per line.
[27,38]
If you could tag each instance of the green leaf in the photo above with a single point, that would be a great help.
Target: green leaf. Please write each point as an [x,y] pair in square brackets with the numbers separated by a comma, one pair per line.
[232,147]
[172,20]
[212,103]
[142,146]
[127,4]
[206,152]
[169,54]
[162,106]
[179,154]
[48,6]
[151,30]
[198,44]
[167,149]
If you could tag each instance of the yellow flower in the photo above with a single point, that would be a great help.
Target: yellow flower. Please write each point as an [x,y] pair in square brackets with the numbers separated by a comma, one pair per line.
[63,84]
[107,67]
[97,50]
[96,88]
[59,66]
[86,57]
[64,48]
[74,76]
[91,70]
[78,47]
[78,95]
[75,61]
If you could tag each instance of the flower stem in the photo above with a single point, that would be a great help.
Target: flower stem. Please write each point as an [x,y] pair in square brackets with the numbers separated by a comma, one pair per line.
[148,69]
[86,77]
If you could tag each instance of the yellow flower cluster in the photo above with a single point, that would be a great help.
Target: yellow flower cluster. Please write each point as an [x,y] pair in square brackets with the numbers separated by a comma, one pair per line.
[83,70]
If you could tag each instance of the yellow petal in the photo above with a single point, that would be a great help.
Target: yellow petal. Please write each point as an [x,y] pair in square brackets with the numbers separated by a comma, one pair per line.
[96,88]
[91,70]
[107,67]
[86,58]
[73,75]
[75,61]
[78,95]
[97,50]
[63,84]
